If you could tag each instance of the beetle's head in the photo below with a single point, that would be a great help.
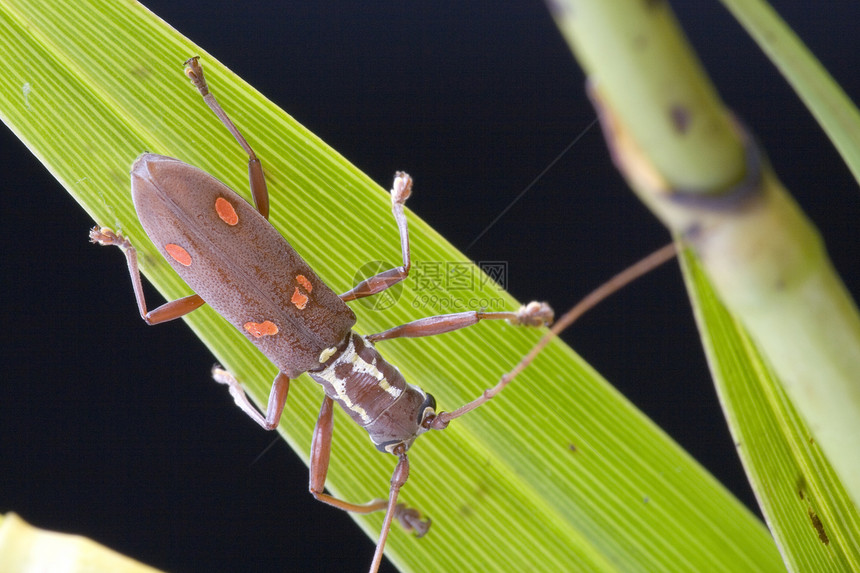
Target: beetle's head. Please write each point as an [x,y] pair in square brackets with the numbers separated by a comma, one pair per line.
[392,428]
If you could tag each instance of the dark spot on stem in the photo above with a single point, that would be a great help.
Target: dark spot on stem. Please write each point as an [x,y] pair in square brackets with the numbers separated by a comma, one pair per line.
[681,118]
[693,233]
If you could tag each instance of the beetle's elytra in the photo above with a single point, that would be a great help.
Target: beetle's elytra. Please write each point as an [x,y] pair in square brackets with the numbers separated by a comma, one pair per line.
[239,264]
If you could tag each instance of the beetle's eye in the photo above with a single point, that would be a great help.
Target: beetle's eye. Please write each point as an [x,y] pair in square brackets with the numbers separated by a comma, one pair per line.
[428,408]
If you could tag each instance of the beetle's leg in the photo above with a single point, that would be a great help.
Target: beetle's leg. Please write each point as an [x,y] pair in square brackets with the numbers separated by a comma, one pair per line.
[400,192]
[277,397]
[398,478]
[255,169]
[165,312]
[531,314]
[409,518]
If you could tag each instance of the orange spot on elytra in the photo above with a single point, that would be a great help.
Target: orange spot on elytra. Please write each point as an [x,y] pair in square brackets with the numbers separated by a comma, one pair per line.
[179,254]
[265,328]
[226,211]
[299,299]
[303,280]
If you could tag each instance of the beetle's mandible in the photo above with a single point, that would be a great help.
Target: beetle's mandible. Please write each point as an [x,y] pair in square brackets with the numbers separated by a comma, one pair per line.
[237,263]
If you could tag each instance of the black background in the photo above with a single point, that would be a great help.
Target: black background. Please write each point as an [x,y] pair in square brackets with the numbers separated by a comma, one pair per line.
[474,99]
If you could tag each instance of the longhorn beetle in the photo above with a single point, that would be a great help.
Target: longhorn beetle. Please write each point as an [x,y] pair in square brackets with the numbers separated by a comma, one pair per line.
[236,262]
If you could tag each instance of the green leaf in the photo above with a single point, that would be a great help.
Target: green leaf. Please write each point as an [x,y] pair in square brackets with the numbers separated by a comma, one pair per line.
[812,517]
[830,105]
[559,473]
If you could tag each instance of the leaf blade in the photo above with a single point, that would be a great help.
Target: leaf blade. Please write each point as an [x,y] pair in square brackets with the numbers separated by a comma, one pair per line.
[812,517]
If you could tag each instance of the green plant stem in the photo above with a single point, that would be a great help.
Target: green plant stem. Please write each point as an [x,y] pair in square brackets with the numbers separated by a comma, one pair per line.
[764,257]
[640,63]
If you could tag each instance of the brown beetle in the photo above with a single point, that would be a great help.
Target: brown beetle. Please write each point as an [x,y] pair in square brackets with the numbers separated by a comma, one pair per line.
[239,264]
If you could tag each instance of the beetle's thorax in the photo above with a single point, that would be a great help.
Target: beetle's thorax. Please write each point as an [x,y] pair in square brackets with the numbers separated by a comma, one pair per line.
[373,392]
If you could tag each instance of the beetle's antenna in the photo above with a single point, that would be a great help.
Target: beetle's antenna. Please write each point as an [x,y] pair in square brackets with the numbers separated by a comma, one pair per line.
[591,300]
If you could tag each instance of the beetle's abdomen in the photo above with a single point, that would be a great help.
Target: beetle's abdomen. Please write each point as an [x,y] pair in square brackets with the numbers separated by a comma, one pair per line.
[238,263]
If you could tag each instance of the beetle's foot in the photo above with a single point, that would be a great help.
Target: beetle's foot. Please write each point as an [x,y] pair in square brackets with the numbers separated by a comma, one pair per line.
[195,73]
[221,376]
[534,314]
[107,237]
[411,520]
[401,189]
